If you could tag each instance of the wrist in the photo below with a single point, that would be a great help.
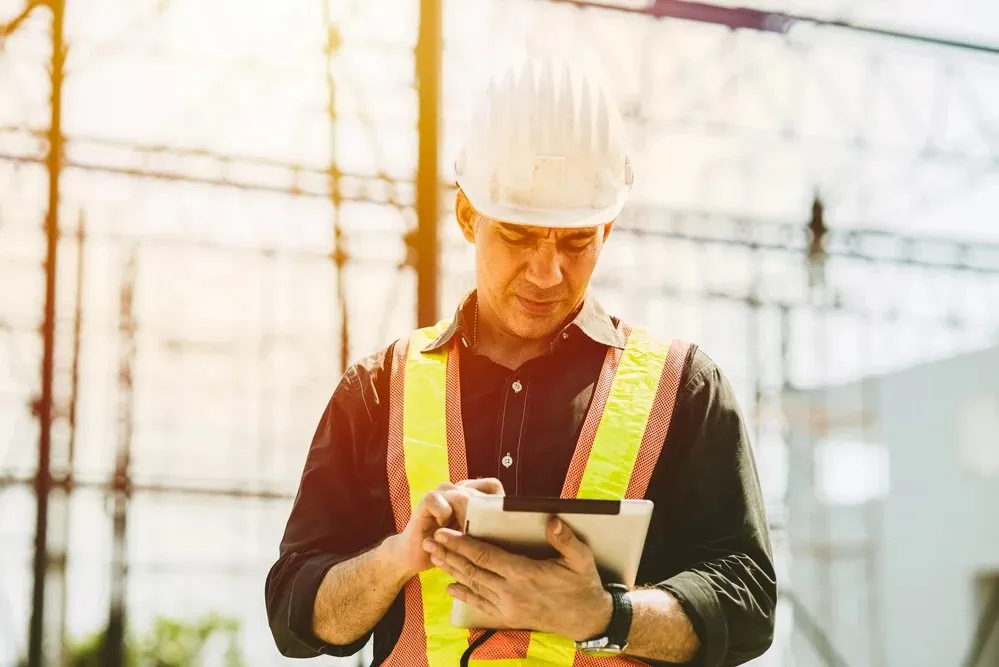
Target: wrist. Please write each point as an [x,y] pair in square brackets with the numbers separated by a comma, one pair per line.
[598,618]
[393,558]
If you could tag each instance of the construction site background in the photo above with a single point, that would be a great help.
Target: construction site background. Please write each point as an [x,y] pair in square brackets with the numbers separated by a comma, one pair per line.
[209,207]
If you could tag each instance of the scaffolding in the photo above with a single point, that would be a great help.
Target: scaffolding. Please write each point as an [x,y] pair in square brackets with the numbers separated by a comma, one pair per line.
[289,226]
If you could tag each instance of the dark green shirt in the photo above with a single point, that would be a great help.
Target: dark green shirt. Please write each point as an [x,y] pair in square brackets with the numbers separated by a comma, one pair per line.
[708,543]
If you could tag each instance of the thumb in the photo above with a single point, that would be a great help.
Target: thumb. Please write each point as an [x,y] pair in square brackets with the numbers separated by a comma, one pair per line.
[575,554]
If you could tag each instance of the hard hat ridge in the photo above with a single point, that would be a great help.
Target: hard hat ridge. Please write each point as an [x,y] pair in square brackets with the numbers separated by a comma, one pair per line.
[546,148]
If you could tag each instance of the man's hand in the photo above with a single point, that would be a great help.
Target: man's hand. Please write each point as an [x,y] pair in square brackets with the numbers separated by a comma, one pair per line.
[562,596]
[444,506]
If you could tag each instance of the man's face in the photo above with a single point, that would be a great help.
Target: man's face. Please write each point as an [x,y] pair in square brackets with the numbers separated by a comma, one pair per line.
[531,278]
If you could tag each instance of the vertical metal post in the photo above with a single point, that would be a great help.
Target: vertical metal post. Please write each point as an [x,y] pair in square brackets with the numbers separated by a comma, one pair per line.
[59,550]
[870,416]
[428,74]
[121,483]
[339,253]
[43,478]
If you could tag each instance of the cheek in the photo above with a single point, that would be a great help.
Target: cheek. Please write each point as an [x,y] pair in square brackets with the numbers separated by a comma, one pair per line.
[577,269]
[501,264]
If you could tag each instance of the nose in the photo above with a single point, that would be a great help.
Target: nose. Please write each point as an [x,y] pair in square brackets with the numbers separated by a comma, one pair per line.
[544,269]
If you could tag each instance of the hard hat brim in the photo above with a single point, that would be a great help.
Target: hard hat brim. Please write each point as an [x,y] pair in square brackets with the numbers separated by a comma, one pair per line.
[561,218]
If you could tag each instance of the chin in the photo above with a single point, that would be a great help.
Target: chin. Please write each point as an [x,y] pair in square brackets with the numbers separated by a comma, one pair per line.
[533,328]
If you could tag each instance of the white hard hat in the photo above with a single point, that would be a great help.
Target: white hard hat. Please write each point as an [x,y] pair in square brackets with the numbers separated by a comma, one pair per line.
[546,148]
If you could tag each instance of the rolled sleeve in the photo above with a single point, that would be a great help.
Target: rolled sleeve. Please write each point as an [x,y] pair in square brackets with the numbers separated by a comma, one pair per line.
[330,521]
[700,603]
[292,586]
[302,601]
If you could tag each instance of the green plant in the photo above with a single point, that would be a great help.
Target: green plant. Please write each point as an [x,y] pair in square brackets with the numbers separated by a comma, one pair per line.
[169,643]
[174,643]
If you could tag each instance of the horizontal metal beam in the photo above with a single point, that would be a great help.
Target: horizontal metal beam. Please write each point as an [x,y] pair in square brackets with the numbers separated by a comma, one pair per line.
[69,484]
[867,245]
[744,18]
[353,188]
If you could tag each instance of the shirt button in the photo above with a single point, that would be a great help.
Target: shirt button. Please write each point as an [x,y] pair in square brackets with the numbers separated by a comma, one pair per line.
[565,335]
[507,461]
[517,386]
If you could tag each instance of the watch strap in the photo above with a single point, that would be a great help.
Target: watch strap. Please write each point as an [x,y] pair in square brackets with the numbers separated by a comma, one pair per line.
[620,623]
[615,639]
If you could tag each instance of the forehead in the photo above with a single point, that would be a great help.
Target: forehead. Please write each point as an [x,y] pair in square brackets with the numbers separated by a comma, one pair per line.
[547,232]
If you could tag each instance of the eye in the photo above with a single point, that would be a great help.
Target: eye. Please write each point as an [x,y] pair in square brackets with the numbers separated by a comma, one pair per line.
[517,240]
[577,245]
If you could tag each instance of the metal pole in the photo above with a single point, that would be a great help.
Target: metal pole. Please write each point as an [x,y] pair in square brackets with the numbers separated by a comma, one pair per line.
[339,255]
[777,22]
[814,632]
[68,466]
[121,483]
[43,479]
[428,74]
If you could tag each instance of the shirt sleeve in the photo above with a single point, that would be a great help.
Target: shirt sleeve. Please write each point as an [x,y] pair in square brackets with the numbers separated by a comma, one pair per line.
[720,558]
[330,521]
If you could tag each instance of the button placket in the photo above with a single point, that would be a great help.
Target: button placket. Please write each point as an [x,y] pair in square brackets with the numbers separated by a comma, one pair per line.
[511,432]
[520,437]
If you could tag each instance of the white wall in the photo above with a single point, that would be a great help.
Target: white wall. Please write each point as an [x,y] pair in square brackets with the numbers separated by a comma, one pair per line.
[934,533]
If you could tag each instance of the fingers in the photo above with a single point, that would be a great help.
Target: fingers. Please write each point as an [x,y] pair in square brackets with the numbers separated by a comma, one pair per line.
[489,485]
[469,597]
[449,501]
[482,555]
[482,582]
[576,555]
[459,495]
[437,505]
[458,500]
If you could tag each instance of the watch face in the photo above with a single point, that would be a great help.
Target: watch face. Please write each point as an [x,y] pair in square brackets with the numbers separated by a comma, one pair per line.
[607,652]
[601,646]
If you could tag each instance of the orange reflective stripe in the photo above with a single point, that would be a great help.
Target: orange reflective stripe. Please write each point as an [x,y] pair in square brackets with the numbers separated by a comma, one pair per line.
[455,430]
[503,645]
[395,460]
[587,434]
[411,648]
[659,420]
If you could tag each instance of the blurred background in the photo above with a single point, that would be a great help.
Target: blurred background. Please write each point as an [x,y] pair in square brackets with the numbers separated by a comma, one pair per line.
[208,207]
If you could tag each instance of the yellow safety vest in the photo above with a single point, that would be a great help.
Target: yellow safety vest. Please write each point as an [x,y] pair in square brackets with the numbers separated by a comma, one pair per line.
[619,444]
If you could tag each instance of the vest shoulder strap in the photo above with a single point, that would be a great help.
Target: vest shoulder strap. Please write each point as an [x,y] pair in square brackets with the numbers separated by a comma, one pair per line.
[636,417]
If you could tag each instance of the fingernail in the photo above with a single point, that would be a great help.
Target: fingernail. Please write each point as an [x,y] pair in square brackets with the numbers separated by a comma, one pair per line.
[429,545]
[441,537]
[558,527]
[436,560]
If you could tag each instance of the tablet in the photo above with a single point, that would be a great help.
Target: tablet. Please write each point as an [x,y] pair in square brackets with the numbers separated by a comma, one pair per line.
[614,529]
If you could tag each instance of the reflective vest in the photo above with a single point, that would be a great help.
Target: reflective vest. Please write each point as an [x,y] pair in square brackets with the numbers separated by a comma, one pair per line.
[619,444]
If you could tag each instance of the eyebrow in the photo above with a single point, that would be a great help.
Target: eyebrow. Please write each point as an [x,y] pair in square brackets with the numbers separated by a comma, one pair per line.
[520,231]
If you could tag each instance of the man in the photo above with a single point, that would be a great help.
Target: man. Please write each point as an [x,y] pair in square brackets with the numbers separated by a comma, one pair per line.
[531,390]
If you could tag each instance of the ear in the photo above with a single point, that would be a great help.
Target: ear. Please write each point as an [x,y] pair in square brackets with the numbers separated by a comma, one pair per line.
[465,214]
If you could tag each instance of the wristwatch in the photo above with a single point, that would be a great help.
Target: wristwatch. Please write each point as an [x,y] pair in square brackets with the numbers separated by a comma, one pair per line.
[615,639]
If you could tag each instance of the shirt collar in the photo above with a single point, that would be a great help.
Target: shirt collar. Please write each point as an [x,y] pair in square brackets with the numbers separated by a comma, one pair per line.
[592,320]
[458,326]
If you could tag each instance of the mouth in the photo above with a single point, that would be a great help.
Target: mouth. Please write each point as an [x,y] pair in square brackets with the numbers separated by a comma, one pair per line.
[537,307]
